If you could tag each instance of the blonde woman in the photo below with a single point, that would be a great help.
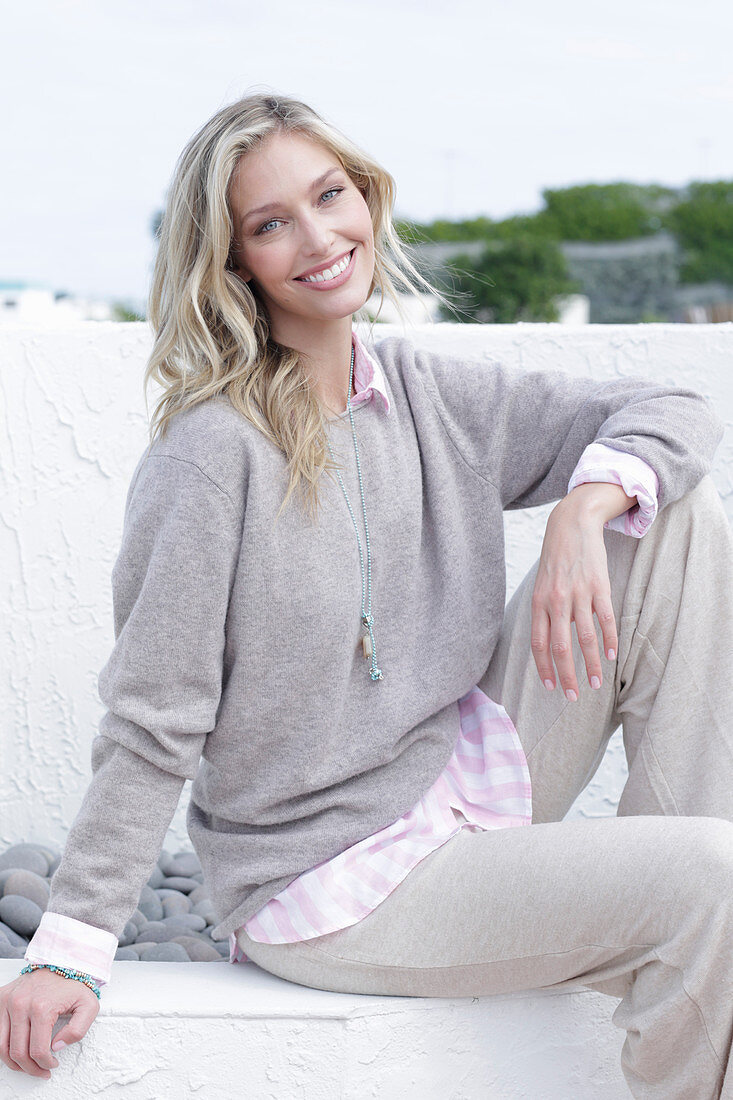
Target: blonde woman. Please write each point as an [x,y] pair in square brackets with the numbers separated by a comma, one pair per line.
[310,624]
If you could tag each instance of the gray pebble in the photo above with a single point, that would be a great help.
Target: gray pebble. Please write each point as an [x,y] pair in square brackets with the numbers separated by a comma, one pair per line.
[206,910]
[186,864]
[20,913]
[139,918]
[172,921]
[156,878]
[177,882]
[144,949]
[154,932]
[166,864]
[13,936]
[49,853]
[203,936]
[197,950]
[126,954]
[5,875]
[29,885]
[199,894]
[176,904]
[150,904]
[129,934]
[166,952]
[186,921]
[25,857]
[8,951]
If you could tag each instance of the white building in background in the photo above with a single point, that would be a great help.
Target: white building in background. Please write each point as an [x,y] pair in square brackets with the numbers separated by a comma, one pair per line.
[574,309]
[23,303]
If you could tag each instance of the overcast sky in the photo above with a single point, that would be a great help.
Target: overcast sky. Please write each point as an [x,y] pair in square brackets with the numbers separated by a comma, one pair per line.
[474,106]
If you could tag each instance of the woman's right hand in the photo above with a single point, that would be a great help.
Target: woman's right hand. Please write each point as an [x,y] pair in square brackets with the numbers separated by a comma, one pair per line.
[29,1009]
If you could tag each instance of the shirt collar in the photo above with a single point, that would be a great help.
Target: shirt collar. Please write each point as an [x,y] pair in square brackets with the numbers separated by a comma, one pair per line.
[368,376]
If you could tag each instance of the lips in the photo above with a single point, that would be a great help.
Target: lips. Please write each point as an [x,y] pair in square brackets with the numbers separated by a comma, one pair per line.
[327,267]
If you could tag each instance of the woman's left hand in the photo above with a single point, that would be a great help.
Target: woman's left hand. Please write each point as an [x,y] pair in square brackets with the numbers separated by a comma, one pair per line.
[572,585]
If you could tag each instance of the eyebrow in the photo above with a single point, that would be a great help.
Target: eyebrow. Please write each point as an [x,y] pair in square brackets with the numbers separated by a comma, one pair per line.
[274,205]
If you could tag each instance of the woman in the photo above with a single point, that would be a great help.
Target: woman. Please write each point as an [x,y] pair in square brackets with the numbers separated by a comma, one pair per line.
[329,660]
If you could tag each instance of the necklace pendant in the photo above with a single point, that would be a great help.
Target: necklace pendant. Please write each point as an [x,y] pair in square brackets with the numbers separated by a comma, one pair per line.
[376,674]
[366,644]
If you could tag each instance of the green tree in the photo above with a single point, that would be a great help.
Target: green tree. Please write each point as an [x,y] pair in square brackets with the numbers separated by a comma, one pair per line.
[605,211]
[586,212]
[703,224]
[514,280]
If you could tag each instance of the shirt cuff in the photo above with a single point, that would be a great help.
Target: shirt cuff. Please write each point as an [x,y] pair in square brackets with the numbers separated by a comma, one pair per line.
[65,941]
[635,476]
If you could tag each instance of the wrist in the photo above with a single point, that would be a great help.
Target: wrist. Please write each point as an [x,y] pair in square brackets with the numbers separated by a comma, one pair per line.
[597,502]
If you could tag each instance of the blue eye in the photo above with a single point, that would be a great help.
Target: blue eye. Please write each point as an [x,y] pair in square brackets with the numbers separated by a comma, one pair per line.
[263,230]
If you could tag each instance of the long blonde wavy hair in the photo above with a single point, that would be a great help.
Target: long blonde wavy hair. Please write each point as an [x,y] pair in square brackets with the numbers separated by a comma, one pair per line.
[211,329]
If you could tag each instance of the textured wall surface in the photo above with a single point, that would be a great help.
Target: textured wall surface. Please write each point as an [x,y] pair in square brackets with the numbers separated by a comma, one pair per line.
[73,425]
[210,1031]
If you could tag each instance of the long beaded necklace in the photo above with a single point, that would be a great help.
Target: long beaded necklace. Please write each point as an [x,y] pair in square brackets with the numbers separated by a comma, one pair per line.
[369,645]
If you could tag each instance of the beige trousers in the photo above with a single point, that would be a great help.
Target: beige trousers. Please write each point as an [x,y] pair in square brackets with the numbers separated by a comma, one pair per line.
[638,906]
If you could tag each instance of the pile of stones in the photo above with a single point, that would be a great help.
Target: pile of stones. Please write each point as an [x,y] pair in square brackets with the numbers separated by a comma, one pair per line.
[172,922]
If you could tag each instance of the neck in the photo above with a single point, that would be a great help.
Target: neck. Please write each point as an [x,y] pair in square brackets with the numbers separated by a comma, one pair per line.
[326,353]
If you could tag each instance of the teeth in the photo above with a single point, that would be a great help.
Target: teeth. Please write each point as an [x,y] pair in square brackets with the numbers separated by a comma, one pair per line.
[326,276]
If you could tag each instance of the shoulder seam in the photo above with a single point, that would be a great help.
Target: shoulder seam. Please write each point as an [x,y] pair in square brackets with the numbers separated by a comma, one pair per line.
[190,462]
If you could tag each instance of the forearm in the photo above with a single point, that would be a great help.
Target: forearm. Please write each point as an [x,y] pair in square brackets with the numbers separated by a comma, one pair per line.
[115,838]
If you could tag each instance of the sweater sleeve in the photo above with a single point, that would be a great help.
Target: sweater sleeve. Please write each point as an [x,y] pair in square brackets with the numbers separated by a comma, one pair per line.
[162,685]
[526,431]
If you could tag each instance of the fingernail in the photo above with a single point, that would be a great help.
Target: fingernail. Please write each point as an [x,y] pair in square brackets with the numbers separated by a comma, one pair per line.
[595,682]
[58,1045]
[549,685]
[571,695]
[612,654]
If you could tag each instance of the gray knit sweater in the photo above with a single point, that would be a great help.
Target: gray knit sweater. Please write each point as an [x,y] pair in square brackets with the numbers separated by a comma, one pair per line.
[237,659]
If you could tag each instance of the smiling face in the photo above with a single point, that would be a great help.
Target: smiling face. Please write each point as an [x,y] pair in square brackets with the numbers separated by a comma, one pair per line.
[315,218]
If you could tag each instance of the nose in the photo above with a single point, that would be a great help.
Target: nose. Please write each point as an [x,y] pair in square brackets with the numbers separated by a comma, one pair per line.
[316,237]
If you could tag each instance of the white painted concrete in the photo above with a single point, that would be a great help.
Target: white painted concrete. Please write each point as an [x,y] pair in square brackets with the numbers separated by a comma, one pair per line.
[211,1031]
[72,427]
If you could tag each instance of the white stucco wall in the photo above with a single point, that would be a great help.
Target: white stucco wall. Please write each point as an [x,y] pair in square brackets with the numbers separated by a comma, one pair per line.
[209,1031]
[72,427]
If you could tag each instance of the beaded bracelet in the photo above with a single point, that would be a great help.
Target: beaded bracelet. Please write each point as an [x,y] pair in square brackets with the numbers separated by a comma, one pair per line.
[67,973]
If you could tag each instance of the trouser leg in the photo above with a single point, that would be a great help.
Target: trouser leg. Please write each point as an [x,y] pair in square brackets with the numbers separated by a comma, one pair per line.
[671,686]
[640,906]
[562,905]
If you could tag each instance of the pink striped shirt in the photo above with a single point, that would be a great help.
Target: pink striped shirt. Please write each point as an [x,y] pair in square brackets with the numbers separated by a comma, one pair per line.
[486,779]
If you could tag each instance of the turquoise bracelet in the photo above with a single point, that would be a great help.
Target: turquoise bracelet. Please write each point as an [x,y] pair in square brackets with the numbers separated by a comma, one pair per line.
[67,972]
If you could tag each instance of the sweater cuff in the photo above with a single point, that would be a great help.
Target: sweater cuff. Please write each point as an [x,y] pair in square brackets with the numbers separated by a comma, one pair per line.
[635,476]
[65,941]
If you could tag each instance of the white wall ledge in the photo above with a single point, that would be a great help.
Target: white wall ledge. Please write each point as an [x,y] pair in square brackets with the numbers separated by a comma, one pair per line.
[215,1031]
[73,427]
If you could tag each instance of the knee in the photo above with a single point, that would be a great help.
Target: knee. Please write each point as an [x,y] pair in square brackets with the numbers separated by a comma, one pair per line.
[709,856]
[704,499]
